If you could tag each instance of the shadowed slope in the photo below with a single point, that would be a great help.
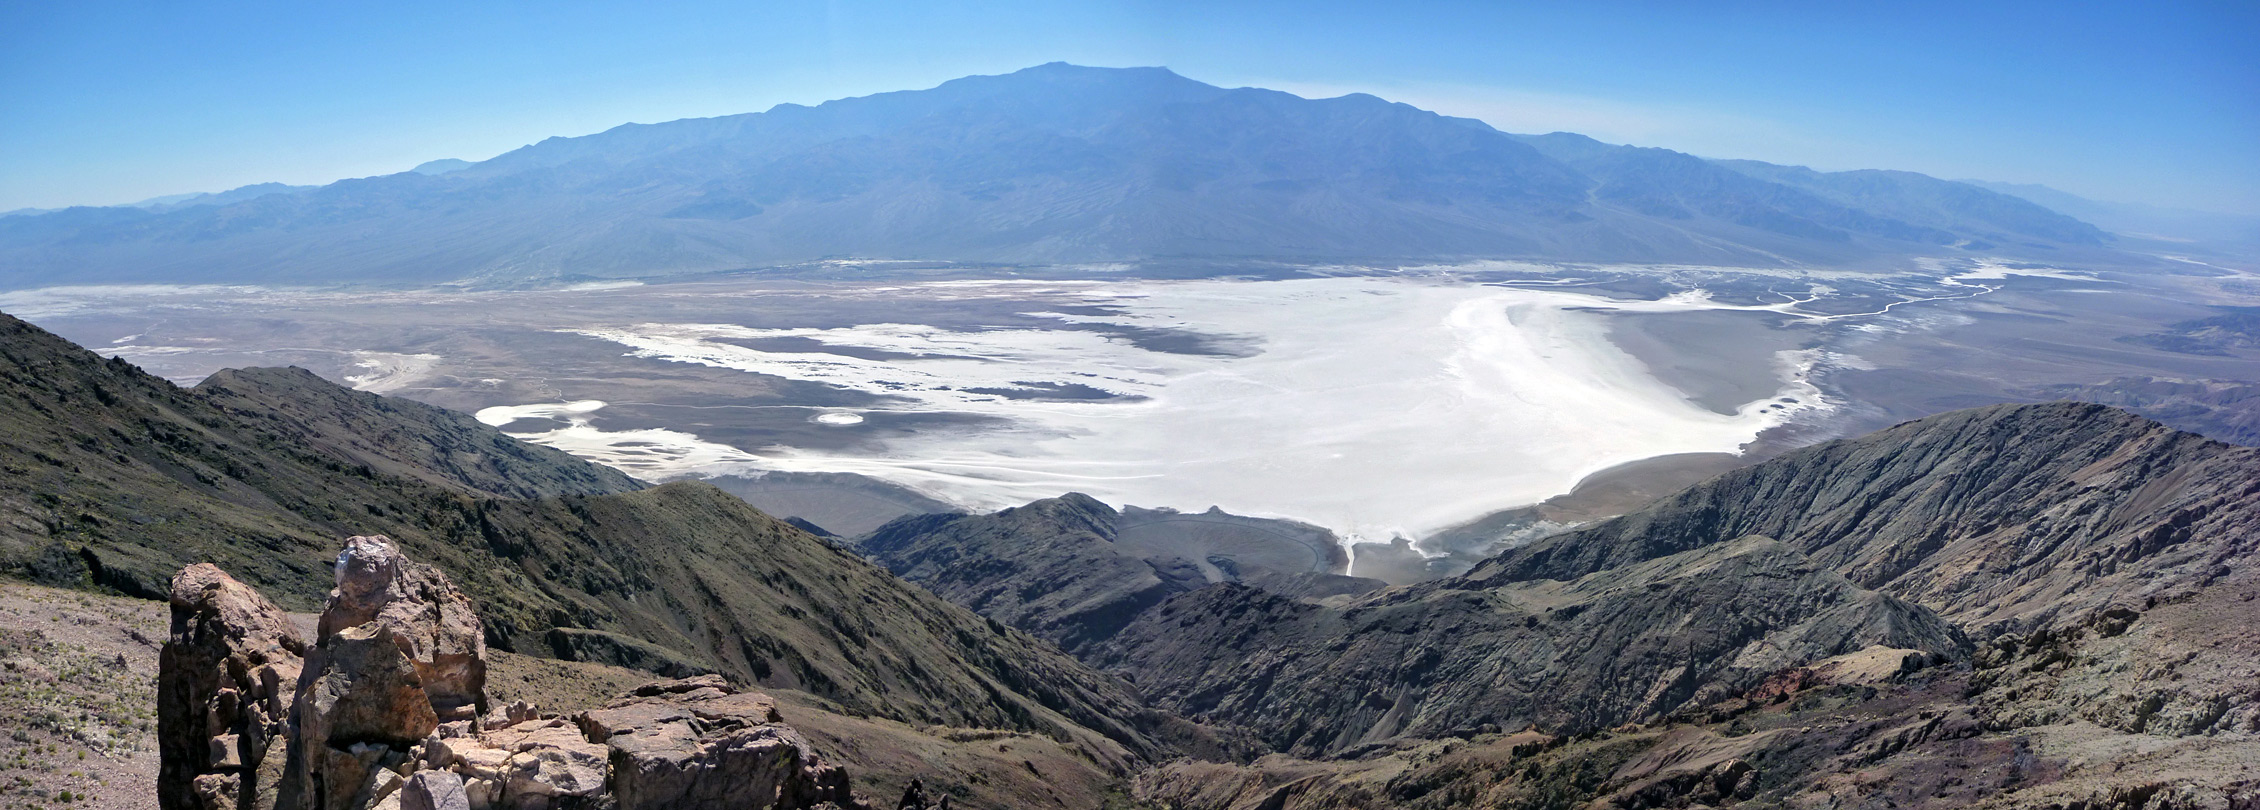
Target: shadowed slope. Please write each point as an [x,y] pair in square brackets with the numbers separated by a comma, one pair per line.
[716,584]
[1422,661]
[2040,527]
[1050,568]
[2102,562]
[1074,571]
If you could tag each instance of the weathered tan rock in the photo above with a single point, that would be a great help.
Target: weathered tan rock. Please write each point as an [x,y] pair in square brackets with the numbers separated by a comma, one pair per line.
[697,744]
[525,766]
[216,790]
[399,651]
[477,760]
[517,711]
[552,761]
[426,615]
[361,688]
[222,691]
[434,790]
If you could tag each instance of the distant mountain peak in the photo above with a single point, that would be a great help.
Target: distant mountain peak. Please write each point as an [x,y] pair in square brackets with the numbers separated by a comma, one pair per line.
[1056,163]
[441,166]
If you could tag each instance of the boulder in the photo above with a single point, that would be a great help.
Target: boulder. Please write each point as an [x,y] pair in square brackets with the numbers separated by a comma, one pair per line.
[430,619]
[399,651]
[222,697]
[358,687]
[434,790]
[545,761]
[513,713]
[914,798]
[698,743]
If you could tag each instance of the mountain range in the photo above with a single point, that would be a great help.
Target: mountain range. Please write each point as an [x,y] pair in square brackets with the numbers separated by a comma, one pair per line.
[2163,223]
[1049,165]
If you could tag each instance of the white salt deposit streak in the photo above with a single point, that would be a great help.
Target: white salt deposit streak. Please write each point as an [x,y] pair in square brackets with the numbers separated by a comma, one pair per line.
[1375,407]
[386,372]
[651,454]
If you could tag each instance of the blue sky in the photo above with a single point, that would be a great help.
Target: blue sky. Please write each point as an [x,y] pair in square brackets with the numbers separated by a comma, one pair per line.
[108,102]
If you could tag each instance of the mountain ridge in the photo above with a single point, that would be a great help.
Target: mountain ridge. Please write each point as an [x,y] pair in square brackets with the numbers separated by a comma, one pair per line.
[1056,164]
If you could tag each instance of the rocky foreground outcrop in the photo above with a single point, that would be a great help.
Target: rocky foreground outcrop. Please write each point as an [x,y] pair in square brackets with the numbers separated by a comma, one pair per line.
[225,683]
[387,709]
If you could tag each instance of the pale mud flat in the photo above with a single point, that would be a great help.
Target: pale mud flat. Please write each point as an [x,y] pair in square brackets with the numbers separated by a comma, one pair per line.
[1375,407]
[1372,403]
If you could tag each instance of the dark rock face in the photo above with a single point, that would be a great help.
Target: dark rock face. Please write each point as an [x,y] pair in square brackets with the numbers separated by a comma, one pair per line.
[1049,568]
[914,798]
[224,693]
[1625,645]
[2008,517]
[1073,571]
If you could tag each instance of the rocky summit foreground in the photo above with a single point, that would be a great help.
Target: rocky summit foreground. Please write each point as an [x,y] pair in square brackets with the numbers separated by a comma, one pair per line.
[387,709]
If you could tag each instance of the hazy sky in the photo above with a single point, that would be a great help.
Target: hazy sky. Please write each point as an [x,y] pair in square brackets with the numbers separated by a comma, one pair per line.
[108,102]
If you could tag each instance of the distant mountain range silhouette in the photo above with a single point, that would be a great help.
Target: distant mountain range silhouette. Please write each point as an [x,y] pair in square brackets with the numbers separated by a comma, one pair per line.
[1048,165]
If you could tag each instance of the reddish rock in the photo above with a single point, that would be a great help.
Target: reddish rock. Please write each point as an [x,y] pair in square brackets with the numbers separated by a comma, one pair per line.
[399,651]
[696,743]
[430,619]
[222,693]
[384,715]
